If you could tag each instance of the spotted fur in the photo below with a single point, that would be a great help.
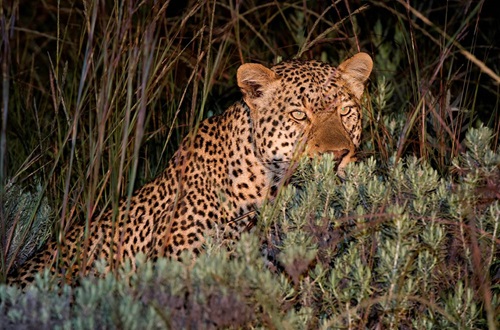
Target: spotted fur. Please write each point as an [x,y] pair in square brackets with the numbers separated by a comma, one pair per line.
[225,169]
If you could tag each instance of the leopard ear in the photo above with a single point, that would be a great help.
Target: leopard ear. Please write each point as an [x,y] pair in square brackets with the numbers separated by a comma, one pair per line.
[355,71]
[253,79]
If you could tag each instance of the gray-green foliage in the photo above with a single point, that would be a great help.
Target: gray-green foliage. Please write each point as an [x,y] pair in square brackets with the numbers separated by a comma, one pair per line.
[394,245]
[388,247]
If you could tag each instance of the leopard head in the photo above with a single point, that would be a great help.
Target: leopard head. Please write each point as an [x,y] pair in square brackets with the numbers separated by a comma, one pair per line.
[305,106]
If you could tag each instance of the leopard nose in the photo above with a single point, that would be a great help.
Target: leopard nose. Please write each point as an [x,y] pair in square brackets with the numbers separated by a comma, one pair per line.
[340,154]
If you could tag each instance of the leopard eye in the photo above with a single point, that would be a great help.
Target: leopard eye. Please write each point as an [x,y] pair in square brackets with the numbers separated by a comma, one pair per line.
[345,110]
[298,115]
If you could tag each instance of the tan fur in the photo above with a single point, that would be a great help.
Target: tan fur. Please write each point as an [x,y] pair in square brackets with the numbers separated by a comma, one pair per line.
[226,169]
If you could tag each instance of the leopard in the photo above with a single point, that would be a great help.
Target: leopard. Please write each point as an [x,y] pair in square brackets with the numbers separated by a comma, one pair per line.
[224,170]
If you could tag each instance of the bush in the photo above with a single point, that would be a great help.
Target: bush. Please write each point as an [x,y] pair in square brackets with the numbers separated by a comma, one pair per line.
[392,248]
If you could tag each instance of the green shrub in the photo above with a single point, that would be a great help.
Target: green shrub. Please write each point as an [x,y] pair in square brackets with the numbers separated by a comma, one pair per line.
[392,248]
